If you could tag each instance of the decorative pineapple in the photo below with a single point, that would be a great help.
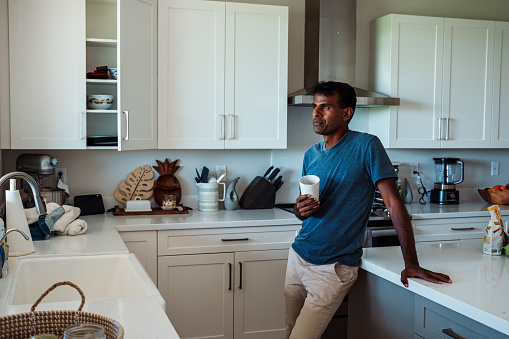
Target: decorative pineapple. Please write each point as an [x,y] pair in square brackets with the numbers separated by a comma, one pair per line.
[167,183]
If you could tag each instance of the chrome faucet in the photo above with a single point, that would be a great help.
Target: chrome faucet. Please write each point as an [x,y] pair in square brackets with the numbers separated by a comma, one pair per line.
[34,185]
[7,247]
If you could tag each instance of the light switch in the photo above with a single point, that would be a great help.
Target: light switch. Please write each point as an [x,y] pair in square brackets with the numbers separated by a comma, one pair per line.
[494,168]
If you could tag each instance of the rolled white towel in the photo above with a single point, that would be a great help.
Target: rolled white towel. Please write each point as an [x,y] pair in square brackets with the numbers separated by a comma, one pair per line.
[33,216]
[71,214]
[76,227]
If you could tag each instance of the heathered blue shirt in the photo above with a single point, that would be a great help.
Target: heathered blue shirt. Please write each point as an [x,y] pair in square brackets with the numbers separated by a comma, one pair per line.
[348,172]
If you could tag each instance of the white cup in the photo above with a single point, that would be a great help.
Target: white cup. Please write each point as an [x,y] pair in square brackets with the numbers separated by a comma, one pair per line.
[310,184]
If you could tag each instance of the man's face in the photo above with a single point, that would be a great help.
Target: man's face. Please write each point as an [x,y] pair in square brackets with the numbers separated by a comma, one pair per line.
[328,118]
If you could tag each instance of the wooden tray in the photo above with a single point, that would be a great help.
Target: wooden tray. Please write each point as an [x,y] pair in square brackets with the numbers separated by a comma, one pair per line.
[155,211]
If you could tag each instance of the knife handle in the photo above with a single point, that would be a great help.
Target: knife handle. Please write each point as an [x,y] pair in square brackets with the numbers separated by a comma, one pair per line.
[273,174]
[268,171]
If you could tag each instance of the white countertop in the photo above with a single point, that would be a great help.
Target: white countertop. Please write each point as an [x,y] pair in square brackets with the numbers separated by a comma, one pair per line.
[461,210]
[479,288]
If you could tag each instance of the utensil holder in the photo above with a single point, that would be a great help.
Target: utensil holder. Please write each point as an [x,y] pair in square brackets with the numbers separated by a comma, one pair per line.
[260,194]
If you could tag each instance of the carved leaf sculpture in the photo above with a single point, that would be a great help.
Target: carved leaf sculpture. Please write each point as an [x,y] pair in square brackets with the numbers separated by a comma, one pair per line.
[139,183]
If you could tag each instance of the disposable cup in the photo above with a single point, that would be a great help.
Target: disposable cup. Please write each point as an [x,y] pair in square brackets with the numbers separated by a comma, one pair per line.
[310,184]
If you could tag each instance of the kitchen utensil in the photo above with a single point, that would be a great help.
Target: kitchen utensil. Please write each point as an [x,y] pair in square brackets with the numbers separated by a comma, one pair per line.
[231,201]
[259,194]
[204,174]
[209,196]
[276,182]
[268,171]
[278,186]
[273,174]
[444,190]
[198,175]
[221,177]
[100,101]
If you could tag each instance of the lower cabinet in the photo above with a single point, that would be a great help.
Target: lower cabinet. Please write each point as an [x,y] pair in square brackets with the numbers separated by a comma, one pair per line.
[144,246]
[226,282]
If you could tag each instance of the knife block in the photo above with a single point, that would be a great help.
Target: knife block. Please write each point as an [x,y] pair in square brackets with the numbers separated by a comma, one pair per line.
[258,195]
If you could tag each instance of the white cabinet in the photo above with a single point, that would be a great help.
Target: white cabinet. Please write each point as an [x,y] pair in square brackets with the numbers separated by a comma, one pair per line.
[143,244]
[442,69]
[53,44]
[222,75]
[225,283]
[500,132]
[47,73]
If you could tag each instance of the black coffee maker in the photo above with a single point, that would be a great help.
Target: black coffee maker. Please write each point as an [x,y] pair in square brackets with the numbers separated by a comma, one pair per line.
[446,173]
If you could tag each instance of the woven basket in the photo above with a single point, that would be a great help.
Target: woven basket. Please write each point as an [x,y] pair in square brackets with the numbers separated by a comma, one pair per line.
[495,196]
[25,325]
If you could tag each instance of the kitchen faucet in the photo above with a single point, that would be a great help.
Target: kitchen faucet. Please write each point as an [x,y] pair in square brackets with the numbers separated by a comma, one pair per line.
[6,247]
[34,185]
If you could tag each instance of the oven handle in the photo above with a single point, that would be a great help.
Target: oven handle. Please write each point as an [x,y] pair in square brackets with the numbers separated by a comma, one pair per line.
[382,232]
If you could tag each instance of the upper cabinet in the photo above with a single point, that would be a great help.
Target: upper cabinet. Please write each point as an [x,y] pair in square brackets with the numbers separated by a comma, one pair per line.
[500,130]
[47,73]
[442,69]
[53,44]
[222,75]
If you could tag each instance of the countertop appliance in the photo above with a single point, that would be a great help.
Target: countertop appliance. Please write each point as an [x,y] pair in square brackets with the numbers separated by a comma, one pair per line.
[39,166]
[447,171]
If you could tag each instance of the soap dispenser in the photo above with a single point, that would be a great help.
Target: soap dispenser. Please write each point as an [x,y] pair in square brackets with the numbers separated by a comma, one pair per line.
[231,201]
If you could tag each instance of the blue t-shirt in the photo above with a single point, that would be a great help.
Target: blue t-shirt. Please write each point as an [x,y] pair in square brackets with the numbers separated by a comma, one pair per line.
[348,172]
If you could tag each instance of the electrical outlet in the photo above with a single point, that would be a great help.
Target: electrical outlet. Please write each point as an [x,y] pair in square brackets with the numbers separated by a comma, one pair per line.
[494,168]
[414,167]
[220,170]
[61,173]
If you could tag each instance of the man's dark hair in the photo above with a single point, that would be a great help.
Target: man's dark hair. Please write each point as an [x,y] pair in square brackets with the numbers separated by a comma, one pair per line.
[347,97]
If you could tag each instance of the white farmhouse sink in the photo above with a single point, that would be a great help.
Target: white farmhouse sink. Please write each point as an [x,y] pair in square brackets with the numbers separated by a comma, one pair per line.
[101,276]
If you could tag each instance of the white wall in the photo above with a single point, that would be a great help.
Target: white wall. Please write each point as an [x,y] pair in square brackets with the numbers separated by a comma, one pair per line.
[100,171]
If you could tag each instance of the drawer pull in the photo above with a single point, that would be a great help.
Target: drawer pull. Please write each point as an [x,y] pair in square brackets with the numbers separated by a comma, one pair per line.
[449,332]
[463,228]
[230,278]
[240,275]
[236,239]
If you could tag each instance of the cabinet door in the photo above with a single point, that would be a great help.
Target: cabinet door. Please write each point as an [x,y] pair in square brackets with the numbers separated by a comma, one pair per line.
[468,83]
[198,290]
[500,130]
[137,64]
[416,77]
[256,76]
[259,294]
[47,74]
[191,74]
[144,246]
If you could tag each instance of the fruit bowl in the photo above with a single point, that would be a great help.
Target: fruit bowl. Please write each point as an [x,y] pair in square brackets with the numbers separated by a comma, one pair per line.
[97,101]
[494,196]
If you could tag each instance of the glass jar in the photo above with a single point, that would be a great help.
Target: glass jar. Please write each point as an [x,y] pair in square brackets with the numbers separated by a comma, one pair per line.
[84,331]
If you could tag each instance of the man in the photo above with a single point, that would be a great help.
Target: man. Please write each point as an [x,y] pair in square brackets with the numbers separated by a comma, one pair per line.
[325,256]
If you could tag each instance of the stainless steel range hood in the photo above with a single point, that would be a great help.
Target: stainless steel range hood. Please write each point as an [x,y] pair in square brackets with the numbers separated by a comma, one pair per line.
[329,52]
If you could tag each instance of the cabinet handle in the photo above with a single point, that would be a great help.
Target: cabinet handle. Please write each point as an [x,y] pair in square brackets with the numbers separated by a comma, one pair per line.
[221,136]
[236,239]
[82,134]
[232,127]
[447,129]
[463,228]
[230,277]
[240,275]
[449,332]
[126,125]
[440,128]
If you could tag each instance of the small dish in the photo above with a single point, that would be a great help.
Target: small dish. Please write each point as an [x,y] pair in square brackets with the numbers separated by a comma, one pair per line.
[179,208]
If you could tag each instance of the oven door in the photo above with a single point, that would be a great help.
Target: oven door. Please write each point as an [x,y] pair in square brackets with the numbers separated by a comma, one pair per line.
[381,237]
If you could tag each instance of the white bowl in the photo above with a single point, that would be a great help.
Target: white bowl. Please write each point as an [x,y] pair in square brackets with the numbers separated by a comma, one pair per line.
[97,101]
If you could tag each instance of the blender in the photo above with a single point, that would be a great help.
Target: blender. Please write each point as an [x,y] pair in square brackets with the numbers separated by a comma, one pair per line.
[446,178]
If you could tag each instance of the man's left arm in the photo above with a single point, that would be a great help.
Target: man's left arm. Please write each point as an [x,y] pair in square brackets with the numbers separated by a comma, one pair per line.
[401,221]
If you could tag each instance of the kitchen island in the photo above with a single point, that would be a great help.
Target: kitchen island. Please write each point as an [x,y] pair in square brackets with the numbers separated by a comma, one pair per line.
[475,305]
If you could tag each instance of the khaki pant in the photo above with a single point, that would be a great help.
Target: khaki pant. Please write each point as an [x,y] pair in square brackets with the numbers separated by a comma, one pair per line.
[313,294]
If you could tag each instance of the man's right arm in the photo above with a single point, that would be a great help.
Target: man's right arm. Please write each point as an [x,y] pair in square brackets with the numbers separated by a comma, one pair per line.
[305,205]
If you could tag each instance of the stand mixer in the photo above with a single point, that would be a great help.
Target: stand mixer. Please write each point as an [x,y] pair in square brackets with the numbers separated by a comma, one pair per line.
[39,166]
[444,190]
